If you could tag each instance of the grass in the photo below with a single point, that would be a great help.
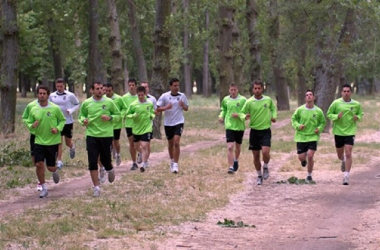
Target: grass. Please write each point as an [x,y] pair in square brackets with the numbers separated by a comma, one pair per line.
[139,208]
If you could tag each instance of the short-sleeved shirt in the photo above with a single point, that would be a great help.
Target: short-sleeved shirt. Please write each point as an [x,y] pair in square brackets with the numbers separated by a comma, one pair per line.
[153,100]
[67,101]
[174,115]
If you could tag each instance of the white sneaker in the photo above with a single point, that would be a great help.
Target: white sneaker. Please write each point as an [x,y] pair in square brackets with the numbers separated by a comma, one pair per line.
[111,175]
[171,167]
[96,191]
[39,187]
[139,158]
[43,193]
[175,168]
[265,173]
[59,164]
[345,180]
[102,175]
[56,176]
[259,180]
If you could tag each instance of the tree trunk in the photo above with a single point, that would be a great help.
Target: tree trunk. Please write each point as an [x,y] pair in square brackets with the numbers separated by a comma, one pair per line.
[238,60]
[161,59]
[117,78]
[186,65]
[9,67]
[226,27]
[301,44]
[280,84]
[206,83]
[141,65]
[254,43]
[55,51]
[93,51]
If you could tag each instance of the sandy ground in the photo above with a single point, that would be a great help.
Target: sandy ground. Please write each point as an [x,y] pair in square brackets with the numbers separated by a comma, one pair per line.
[327,215]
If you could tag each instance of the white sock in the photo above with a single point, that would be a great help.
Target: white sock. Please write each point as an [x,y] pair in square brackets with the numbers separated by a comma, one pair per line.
[346,174]
[44,186]
[97,187]
[259,173]
[73,147]
[117,155]
[308,174]
[265,165]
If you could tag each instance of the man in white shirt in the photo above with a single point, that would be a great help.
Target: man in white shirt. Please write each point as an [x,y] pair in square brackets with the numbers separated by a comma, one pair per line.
[68,103]
[173,103]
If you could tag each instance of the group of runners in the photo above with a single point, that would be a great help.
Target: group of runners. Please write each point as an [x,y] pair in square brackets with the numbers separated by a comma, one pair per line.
[308,122]
[104,114]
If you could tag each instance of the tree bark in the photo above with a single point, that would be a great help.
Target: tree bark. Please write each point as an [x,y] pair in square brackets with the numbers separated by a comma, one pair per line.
[141,65]
[186,64]
[93,51]
[206,83]
[9,66]
[117,78]
[254,43]
[161,59]
[55,51]
[225,46]
[280,84]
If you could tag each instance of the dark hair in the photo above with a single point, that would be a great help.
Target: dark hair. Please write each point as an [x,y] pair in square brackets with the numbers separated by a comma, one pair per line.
[44,88]
[233,85]
[141,89]
[59,80]
[257,82]
[173,80]
[96,82]
[108,85]
[309,90]
[132,80]
[347,86]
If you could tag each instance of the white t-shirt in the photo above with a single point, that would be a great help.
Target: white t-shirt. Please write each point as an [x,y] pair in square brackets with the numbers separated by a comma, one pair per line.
[153,100]
[67,101]
[174,115]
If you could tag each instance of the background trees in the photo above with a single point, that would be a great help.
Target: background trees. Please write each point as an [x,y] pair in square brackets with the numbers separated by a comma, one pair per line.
[292,46]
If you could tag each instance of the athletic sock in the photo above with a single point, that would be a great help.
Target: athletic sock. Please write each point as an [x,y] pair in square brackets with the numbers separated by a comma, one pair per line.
[265,165]
[308,174]
[346,174]
[44,186]
[259,173]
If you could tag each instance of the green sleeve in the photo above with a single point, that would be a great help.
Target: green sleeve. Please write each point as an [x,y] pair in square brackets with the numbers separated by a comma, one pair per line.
[61,119]
[360,113]
[331,112]
[223,109]
[273,109]
[82,113]
[322,121]
[295,123]
[243,111]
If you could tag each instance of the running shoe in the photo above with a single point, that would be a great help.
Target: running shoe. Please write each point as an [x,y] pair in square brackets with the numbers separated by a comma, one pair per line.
[111,175]
[265,173]
[96,191]
[231,170]
[259,180]
[72,152]
[134,166]
[139,158]
[309,178]
[118,160]
[345,180]
[59,164]
[142,168]
[39,187]
[304,163]
[175,168]
[102,175]
[56,176]
[43,193]
[236,165]
[171,167]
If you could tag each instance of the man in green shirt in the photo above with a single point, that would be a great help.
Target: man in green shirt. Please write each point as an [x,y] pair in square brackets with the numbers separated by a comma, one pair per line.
[229,114]
[45,121]
[116,125]
[261,112]
[97,114]
[345,113]
[127,99]
[141,112]
[308,121]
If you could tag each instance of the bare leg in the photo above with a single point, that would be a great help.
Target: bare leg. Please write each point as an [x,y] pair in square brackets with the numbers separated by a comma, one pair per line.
[266,154]
[256,159]
[230,153]
[176,148]
[348,152]
[132,149]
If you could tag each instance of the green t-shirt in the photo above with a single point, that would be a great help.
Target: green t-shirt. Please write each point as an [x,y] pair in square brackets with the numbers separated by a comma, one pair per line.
[345,125]
[48,117]
[261,112]
[312,118]
[119,104]
[127,100]
[141,114]
[92,110]
[231,106]
[27,109]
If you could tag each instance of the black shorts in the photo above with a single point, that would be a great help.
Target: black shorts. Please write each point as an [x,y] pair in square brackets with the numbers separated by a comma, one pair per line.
[46,153]
[341,140]
[99,146]
[116,134]
[171,131]
[234,136]
[303,147]
[144,137]
[259,138]
[31,142]
[129,132]
[68,130]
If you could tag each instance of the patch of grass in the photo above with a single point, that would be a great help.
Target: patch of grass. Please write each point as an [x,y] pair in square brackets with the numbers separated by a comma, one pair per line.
[231,223]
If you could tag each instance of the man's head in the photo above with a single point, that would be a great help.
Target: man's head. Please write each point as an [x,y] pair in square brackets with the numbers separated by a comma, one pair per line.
[60,85]
[97,90]
[174,86]
[43,93]
[346,92]
[257,88]
[108,88]
[146,86]
[233,90]
[141,93]
[309,96]
[132,85]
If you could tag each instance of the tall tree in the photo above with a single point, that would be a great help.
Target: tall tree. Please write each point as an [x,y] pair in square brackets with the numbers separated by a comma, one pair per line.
[136,41]
[186,63]
[161,59]
[93,72]
[206,82]
[117,78]
[9,65]
[278,75]
[254,43]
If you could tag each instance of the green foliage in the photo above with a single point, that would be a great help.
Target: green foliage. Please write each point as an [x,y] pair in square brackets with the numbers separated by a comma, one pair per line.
[231,223]
[296,181]
[12,156]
